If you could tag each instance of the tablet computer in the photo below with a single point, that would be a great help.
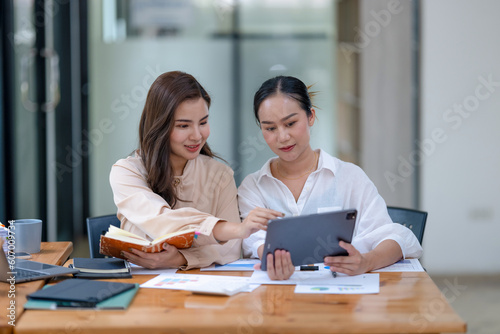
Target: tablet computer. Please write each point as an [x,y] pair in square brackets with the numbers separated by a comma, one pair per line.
[310,238]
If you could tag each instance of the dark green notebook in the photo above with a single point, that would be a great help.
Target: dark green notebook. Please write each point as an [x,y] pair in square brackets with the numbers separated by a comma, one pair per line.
[118,302]
[79,292]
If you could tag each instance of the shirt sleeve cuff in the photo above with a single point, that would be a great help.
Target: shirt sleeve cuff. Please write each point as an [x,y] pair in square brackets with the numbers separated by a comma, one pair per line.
[206,236]
[191,260]
[207,226]
[255,247]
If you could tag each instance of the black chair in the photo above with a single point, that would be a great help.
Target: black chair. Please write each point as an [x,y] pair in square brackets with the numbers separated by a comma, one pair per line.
[413,219]
[97,226]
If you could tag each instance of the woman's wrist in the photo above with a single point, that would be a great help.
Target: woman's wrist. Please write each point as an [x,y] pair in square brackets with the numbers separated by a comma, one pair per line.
[369,260]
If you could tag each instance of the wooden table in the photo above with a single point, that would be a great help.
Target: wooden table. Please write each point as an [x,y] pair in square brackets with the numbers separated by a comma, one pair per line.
[51,253]
[407,303]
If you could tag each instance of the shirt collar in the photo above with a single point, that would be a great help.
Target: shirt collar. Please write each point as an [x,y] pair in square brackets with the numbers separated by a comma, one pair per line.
[325,162]
[265,171]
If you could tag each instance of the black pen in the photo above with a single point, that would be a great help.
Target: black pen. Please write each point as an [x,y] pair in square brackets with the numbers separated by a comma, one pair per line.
[334,274]
[311,268]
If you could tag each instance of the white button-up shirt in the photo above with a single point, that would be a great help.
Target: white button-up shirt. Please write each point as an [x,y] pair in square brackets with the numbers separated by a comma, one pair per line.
[335,185]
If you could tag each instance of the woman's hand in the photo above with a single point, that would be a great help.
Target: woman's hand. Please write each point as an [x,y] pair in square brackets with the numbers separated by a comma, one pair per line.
[353,264]
[169,257]
[280,267]
[386,253]
[257,220]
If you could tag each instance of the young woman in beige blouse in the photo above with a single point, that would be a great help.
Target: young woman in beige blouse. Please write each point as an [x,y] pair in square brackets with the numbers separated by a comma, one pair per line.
[172,182]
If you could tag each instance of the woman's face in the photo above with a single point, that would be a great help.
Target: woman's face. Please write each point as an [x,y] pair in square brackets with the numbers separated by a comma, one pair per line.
[190,132]
[285,126]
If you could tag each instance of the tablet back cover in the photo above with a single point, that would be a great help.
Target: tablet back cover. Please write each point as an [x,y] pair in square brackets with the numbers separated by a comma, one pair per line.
[310,238]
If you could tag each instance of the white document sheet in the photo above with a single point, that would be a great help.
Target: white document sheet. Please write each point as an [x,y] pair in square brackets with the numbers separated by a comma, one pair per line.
[185,281]
[238,265]
[322,281]
[321,276]
[360,284]
[138,270]
[405,265]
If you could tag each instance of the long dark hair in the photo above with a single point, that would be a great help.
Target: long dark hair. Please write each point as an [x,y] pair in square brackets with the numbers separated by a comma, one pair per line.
[286,85]
[167,92]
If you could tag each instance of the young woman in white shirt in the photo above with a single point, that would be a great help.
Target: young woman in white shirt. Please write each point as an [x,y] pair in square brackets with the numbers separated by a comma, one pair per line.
[302,181]
[172,181]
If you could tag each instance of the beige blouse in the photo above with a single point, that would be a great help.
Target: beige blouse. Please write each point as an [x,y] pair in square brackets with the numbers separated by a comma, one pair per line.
[209,191]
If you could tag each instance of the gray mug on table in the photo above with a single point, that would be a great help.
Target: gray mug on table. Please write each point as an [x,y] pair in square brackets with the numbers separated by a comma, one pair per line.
[28,235]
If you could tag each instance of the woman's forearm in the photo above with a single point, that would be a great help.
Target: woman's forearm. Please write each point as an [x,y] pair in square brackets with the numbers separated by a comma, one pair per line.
[224,231]
[386,253]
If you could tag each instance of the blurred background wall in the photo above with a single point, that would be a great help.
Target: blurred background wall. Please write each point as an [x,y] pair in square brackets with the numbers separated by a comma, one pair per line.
[460,113]
[231,48]
[409,90]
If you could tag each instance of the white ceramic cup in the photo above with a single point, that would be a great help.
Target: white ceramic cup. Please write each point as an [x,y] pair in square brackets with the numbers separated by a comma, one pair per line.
[28,235]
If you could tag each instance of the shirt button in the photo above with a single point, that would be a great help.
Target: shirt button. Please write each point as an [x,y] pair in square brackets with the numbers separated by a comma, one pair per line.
[176,182]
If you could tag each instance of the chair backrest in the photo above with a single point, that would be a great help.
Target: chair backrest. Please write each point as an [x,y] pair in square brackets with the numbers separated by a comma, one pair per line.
[97,226]
[413,219]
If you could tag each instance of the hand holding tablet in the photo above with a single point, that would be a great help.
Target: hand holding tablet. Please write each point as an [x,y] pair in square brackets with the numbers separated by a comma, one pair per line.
[310,238]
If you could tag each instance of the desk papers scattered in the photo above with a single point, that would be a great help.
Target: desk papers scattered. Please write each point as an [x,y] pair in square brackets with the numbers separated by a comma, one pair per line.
[321,276]
[365,284]
[322,281]
[405,265]
[138,270]
[209,283]
[318,281]
[238,265]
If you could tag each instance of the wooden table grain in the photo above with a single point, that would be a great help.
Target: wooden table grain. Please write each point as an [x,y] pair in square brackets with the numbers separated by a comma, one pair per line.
[407,303]
[51,253]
